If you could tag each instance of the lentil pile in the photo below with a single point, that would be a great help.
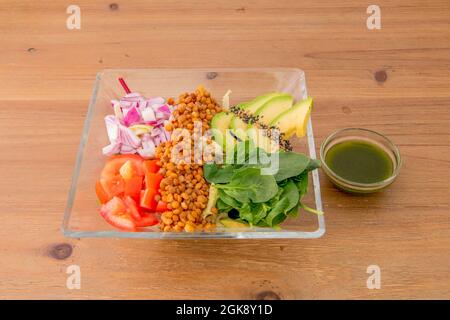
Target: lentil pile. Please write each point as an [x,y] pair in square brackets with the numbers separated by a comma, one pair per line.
[184,188]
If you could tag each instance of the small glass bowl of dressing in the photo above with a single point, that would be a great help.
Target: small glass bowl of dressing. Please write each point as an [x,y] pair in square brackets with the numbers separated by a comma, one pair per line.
[360,160]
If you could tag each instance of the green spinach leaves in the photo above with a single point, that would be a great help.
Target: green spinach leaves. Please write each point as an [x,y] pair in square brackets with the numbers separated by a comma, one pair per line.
[248,185]
[261,200]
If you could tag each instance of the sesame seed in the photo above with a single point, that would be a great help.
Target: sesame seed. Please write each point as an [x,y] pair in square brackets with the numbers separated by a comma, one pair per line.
[249,118]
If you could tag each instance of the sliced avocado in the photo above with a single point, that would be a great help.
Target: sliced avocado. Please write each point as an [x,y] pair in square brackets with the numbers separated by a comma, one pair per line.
[262,141]
[221,122]
[241,105]
[230,223]
[239,128]
[212,200]
[256,103]
[275,106]
[302,127]
[295,119]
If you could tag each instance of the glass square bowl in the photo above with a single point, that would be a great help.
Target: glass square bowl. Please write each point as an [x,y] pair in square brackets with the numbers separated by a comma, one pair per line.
[82,218]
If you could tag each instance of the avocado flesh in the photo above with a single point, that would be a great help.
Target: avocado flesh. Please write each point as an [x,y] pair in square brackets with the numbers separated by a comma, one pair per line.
[301,129]
[274,107]
[213,196]
[230,223]
[256,103]
[268,106]
[279,103]
[221,123]
[239,128]
[295,119]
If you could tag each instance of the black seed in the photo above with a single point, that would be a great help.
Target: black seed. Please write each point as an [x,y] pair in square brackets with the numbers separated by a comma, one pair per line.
[251,119]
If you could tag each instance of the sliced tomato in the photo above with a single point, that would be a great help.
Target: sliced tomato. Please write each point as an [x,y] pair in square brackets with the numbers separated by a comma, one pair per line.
[133,187]
[114,163]
[116,213]
[161,206]
[153,180]
[150,166]
[113,186]
[127,170]
[120,191]
[147,220]
[102,195]
[141,218]
[132,208]
[118,167]
[148,200]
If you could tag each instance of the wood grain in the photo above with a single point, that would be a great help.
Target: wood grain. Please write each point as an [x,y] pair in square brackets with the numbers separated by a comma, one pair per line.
[46,76]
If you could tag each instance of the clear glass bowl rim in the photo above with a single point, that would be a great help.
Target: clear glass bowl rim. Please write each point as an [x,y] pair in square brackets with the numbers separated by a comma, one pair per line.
[235,234]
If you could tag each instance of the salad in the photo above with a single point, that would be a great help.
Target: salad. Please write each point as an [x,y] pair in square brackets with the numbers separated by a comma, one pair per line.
[195,164]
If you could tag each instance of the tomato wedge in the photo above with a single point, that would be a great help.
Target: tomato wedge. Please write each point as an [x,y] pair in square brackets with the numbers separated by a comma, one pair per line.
[150,166]
[147,220]
[133,187]
[161,206]
[116,168]
[153,180]
[128,170]
[132,208]
[148,200]
[116,213]
[114,163]
[102,195]
[113,186]
[124,204]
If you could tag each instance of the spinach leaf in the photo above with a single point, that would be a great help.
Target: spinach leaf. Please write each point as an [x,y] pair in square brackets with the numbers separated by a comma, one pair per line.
[290,164]
[313,164]
[253,213]
[245,213]
[222,206]
[301,181]
[276,198]
[262,223]
[274,218]
[290,195]
[230,201]
[294,211]
[249,185]
[258,212]
[242,150]
[253,158]
[261,200]
[214,173]
[289,198]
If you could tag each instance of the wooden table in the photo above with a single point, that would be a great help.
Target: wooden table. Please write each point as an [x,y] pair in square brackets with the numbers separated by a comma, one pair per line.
[394,80]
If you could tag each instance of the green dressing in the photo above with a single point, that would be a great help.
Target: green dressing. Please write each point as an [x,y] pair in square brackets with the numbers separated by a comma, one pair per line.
[359,161]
